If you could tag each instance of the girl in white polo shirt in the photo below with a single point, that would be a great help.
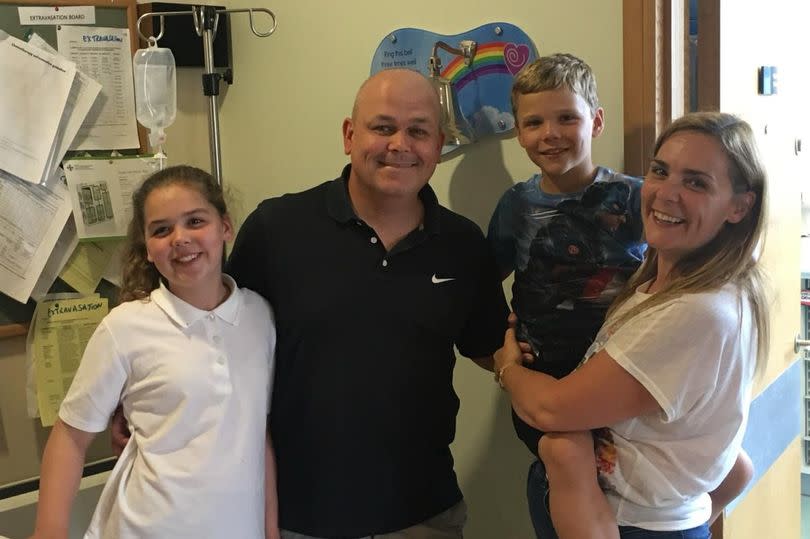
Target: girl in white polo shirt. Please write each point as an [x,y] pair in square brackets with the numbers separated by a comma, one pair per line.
[189,356]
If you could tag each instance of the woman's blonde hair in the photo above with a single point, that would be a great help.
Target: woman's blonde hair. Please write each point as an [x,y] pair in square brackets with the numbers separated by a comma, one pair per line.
[139,276]
[731,257]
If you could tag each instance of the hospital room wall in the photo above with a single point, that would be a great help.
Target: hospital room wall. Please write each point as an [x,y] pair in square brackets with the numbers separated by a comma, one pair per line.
[281,133]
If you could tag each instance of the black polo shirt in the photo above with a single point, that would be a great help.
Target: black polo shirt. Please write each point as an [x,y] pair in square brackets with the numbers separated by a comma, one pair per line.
[363,405]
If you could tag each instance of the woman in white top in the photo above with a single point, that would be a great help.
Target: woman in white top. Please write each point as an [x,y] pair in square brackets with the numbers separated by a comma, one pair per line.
[670,373]
[189,355]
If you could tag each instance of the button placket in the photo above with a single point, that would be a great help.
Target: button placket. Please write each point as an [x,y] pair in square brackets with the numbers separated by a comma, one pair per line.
[216,340]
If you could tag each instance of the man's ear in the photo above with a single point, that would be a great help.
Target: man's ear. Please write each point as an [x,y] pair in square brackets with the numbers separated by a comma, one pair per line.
[598,122]
[741,205]
[348,133]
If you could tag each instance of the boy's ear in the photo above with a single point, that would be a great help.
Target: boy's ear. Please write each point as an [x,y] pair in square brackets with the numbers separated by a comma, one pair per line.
[598,122]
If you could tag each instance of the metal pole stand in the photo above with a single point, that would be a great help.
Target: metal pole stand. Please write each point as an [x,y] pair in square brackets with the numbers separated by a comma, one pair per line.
[205,23]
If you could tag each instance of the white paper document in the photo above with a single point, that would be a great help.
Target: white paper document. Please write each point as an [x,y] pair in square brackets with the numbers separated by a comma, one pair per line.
[62,251]
[101,193]
[82,95]
[104,55]
[87,265]
[33,95]
[112,273]
[31,219]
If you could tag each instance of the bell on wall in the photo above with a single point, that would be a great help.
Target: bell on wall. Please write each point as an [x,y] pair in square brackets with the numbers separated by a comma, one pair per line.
[454,125]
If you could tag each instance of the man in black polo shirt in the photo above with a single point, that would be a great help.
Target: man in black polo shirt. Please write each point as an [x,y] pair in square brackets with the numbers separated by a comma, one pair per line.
[372,283]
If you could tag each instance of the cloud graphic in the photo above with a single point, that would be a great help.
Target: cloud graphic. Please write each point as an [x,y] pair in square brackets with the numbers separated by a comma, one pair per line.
[490,120]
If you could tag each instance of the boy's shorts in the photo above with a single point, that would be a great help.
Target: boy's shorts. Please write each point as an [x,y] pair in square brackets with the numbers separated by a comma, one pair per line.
[558,356]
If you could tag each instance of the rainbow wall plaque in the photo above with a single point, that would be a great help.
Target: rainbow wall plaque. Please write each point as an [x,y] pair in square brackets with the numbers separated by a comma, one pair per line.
[481,89]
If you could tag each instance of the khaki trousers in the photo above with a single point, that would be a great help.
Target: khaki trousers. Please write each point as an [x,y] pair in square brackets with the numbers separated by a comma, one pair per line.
[448,524]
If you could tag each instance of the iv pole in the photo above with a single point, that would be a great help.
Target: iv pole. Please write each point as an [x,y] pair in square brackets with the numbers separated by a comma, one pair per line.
[206,19]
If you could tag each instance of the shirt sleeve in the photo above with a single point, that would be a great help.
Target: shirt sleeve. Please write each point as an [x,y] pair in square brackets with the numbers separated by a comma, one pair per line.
[247,262]
[676,350]
[97,387]
[635,210]
[501,233]
[485,327]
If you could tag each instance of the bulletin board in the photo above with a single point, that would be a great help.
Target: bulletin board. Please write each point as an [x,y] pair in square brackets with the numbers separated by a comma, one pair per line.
[14,316]
[22,439]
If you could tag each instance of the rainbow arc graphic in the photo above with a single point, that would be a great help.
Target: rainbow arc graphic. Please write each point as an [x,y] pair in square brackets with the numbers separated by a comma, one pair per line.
[489,59]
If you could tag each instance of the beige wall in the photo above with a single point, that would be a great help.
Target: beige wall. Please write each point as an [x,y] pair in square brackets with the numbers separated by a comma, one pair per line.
[281,132]
[280,129]
[750,37]
[772,508]
[281,120]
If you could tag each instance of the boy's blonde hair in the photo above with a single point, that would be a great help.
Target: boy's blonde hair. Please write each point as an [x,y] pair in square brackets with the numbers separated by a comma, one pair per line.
[556,71]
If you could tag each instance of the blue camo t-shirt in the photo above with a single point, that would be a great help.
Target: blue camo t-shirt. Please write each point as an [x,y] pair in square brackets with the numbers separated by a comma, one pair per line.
[571,253]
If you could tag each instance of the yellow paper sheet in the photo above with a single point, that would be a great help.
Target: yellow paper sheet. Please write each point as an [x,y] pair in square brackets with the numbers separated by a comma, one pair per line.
[87,264]
[61,331]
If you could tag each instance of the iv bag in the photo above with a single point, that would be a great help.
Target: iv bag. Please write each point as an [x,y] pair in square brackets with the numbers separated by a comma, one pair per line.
[155,89]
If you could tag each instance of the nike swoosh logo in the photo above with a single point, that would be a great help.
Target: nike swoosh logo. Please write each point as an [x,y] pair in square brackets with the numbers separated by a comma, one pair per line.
[436,280]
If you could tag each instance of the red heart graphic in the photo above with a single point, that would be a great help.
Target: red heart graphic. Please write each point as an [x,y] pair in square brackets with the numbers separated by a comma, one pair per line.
[515,57]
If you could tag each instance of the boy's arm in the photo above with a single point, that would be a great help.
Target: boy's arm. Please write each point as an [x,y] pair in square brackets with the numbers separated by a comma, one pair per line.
[61,472]
[734,483]
[635,211]
[270,492]
[500,235]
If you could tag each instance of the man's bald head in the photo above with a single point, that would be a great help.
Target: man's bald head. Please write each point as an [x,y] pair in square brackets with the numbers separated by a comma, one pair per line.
[417,84]
[394,138]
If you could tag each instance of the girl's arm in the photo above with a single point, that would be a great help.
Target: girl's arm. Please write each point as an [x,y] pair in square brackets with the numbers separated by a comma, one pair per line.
[271,530]
[61,472]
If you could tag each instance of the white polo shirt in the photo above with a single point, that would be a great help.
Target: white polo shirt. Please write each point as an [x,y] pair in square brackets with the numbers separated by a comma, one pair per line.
[195,387]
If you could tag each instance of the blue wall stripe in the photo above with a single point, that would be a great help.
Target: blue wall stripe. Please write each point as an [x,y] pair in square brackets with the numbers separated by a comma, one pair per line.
[774,421]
